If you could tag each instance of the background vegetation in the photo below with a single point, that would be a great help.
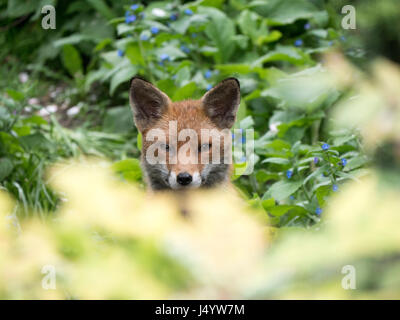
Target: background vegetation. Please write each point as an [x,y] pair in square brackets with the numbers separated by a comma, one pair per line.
[78,79]
[321,111]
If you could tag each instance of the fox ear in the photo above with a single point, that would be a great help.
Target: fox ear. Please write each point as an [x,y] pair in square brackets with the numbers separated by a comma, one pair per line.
[148,103]
[222,102]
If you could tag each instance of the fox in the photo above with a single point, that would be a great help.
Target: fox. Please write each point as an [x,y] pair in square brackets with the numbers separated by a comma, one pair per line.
[182,141]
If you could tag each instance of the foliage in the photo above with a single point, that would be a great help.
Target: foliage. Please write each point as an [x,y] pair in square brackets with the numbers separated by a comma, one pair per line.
[272,47]
[116,244]
[29,143]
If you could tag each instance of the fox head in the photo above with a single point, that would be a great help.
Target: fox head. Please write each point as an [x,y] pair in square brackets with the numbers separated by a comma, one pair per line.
[186,144]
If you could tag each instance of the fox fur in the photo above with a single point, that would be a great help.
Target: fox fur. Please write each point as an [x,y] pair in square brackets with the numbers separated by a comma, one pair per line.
[216,110]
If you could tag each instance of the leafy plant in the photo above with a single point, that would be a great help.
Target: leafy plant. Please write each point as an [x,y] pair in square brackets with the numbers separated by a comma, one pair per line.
[272,47]
[185,49]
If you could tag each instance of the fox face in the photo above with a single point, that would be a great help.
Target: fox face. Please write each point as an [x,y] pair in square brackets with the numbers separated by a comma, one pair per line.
[186,144]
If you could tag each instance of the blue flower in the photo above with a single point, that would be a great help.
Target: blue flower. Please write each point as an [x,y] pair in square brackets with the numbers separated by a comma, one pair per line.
[343,38]
[289,174]
[335,187]
[209,86]
[120,53]
[233,137]
[343,161]
[164,56]
[130,18]
[154,30]
[316,159]
[243,139]
[134,7]
[318,211]
[298,43]
[185,49]
[174,76]
[330,43]
[188,12]
[291,197]
[325,146]
[208,74]
[194,35]
[174,17]
[144,37]
[307,26]
[127,14]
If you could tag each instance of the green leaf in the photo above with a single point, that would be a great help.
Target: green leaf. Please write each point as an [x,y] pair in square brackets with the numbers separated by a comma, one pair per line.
[102,8]
[173,52]
[212,3]
[124,28]
[123,75]
[271,37]
[256,28]
[102,44]
[246,123]
[281,12]
[118,120]
[139,141]
[185,92]
[234,68]
[19,8]
[280,210]
[220,31]
[305,90]
[71,60]
[125,165]
[16,95]
[263,176]
[6,167]
[182,24]
[5,117]
[268,203]
[9,143]
[35,142]
[241,68]
[183,75]
[283,189]
[356,162]
[242,111]
[129,169]
[35,120]
[238,169]
[284,53]
[167,86]
[22,130]
[322,192]
[249,24]
[316,173]
[134,54]
[282,161]
[72,39]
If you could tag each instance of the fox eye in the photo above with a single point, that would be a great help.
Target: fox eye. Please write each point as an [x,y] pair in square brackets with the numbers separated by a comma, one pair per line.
[204,147]
[165,147]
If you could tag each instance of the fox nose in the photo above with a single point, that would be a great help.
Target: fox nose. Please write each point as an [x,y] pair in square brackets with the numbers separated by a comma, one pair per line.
[184,178]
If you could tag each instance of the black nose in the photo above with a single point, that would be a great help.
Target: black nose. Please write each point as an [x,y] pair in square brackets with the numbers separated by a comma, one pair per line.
[184,178]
